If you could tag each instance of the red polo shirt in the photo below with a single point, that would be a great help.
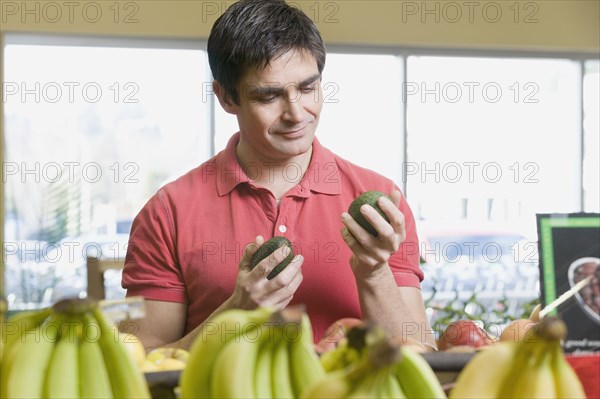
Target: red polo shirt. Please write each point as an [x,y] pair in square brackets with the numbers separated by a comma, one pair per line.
[186,242]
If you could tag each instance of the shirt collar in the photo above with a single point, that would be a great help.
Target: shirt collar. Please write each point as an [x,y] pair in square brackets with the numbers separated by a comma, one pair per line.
[322,175]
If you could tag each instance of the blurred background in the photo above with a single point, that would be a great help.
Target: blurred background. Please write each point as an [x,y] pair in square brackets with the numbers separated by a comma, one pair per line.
[484,113]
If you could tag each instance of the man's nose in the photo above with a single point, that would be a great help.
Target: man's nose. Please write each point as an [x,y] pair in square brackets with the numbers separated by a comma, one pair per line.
[293,110]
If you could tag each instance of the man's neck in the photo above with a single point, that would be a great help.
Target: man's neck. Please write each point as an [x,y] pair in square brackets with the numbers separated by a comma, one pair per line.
[276,176]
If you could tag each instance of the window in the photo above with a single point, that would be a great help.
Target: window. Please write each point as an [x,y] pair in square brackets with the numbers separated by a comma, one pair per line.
[591,137]
[89,137]
[504,139]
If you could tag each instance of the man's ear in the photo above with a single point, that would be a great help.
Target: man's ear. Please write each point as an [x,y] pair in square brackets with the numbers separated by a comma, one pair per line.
[224,98]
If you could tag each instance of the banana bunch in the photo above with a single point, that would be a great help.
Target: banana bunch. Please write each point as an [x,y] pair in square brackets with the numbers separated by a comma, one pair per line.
[532,368]
[259,353]
[368,364]
[67,351]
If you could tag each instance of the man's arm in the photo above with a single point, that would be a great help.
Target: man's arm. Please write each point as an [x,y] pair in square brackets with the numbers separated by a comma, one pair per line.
[164,324]
[400,310]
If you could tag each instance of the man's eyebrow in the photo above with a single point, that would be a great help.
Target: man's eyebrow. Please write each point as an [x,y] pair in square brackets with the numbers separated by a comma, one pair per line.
[271,89]
[310,80]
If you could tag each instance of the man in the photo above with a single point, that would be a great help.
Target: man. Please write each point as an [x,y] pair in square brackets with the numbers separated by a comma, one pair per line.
[187,253]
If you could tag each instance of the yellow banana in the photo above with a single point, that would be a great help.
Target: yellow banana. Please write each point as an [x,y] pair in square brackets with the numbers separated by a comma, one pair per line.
[62,375]
[486,373]
[93,373]
[3,309]
[25,363]
[306,369]
[127,380]
[416,377]
[281,377]
[227,325]
[26,320]
[262,372]
[233,369]
[566,382]
[536,379]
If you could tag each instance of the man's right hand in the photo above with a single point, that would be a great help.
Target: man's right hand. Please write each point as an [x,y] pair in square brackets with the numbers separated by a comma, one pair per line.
[253,289]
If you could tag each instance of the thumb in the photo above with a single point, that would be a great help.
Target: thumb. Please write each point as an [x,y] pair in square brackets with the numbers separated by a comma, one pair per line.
[249,251]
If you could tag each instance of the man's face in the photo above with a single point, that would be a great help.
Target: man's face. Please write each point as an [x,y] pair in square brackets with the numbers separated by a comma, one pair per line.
[279,108]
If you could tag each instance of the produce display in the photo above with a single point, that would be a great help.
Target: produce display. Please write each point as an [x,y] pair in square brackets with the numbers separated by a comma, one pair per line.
[165,359]
[534,367]
[257,353]
[67,351]
[368,363]
[70,351]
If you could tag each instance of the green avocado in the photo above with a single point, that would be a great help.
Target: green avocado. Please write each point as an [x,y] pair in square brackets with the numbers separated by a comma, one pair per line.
[267,249]
[368,197]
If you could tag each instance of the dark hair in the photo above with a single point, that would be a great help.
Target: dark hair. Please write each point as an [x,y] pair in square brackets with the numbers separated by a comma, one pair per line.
[251,33]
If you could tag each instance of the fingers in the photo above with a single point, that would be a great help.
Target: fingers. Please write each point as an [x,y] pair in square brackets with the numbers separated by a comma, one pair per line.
[265,266]
[282,288]
[372,251]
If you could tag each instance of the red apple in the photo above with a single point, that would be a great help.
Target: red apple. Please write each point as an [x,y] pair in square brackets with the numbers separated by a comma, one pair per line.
[463,332]
[335,332]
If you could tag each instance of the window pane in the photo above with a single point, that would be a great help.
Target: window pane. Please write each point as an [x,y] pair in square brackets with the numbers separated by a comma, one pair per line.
[90,135]
[493,139]
[362,112]
[591,129]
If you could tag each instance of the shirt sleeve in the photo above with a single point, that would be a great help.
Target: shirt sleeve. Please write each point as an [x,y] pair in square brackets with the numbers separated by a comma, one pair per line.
[151,266]
[405,262]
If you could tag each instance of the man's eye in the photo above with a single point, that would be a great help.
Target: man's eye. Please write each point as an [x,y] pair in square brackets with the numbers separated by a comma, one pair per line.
[308,89]
[267,99]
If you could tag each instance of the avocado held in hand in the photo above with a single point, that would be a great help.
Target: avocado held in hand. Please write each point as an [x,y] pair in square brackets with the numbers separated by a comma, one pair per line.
[267,249]
[368,197]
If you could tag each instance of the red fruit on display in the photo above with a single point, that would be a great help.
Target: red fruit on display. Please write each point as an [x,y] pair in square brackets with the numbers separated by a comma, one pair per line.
[463,333]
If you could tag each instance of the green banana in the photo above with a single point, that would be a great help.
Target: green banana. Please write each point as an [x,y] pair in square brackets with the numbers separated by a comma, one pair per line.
[339,357]
[281,378]
[367,386]
[262,373]
[26,320]
[25,363]
[93,373]
[127,380]
[335,385]
[390,387]
[62,376]
[306,369]
[416,377]
[225,326]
